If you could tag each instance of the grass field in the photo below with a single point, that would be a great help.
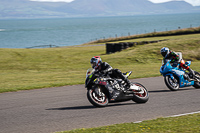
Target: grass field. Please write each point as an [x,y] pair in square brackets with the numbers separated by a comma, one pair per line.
[24,69]
[182,124]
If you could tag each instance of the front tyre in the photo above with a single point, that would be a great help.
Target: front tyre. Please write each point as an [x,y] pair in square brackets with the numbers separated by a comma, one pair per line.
[172,84]
[96,99]
[141,96]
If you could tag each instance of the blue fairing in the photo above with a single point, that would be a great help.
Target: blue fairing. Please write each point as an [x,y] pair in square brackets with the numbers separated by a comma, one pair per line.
[168,69]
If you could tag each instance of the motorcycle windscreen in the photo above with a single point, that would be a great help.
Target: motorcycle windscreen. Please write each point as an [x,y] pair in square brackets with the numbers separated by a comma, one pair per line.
[89,72]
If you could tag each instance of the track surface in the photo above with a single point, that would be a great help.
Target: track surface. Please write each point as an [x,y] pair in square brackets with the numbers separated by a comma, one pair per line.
[65,108]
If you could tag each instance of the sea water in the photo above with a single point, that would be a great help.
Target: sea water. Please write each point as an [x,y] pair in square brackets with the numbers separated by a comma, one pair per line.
[24,33]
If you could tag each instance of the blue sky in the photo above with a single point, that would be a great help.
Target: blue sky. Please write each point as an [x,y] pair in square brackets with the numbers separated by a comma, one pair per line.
[193,2]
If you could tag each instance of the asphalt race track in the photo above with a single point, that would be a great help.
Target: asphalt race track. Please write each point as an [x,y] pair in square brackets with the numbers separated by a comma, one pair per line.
[65,108]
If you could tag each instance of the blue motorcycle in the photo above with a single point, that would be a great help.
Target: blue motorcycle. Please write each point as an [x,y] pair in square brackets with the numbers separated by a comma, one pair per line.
[176,77]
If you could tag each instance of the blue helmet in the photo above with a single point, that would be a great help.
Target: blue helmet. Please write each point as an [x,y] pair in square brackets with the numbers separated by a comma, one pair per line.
[164,51]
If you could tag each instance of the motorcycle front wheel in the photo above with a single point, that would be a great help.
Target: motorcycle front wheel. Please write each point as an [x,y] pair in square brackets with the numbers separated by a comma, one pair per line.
[98,100]
[141,96]
[172,84]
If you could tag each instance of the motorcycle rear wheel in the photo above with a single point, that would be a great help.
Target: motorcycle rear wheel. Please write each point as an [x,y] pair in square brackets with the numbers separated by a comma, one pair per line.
[173,86]
[141,96]
[96,100]
[197,84]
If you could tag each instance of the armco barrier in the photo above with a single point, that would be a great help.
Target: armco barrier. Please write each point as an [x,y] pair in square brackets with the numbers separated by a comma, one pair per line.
[110,48]
[117,47]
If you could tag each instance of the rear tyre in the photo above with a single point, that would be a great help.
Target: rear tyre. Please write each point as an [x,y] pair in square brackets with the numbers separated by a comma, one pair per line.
[173,85]
[197,84]
[96,100]
[141,96]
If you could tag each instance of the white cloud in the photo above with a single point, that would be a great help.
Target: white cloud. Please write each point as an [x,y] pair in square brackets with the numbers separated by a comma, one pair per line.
[159,1]
[193,2]
[53,0]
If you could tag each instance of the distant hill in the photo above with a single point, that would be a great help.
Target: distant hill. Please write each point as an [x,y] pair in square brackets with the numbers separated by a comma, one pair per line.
[81,8]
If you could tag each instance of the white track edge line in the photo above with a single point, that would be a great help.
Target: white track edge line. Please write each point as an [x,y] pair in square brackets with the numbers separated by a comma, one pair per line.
[175,115]
[184,114]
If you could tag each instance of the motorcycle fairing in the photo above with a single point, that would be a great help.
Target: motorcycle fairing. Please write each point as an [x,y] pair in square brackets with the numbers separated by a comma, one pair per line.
[135,87]
[182,81]
[186,83]
[177,72]
[171,71]
[100,81]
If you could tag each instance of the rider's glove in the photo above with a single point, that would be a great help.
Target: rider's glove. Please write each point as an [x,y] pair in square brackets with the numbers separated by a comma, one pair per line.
[96,71]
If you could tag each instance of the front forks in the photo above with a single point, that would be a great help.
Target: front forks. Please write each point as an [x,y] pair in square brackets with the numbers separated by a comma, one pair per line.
[173,79]
[98,91]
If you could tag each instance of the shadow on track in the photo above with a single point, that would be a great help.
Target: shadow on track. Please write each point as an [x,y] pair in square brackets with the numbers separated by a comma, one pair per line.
[158,91]
[88,107]
[73,108]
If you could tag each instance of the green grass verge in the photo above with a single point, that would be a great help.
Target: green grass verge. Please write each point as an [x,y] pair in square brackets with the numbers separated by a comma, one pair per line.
[153,34]
[24,69]
[182,124]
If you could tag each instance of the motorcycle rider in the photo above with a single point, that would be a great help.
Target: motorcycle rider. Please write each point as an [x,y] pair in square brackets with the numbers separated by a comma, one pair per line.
[175,59]
[104,68]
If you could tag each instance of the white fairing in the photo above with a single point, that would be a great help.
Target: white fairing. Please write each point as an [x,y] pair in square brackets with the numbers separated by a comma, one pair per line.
[135,87]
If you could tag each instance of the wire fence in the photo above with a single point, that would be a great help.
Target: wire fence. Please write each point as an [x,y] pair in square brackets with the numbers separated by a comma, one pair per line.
[136,33]
[43,46]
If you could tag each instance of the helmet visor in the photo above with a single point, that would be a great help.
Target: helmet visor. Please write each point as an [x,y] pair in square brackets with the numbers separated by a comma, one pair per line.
[164,53]
[93,64]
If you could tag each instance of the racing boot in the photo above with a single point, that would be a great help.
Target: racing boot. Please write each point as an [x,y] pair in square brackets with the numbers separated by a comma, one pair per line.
[128,84]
